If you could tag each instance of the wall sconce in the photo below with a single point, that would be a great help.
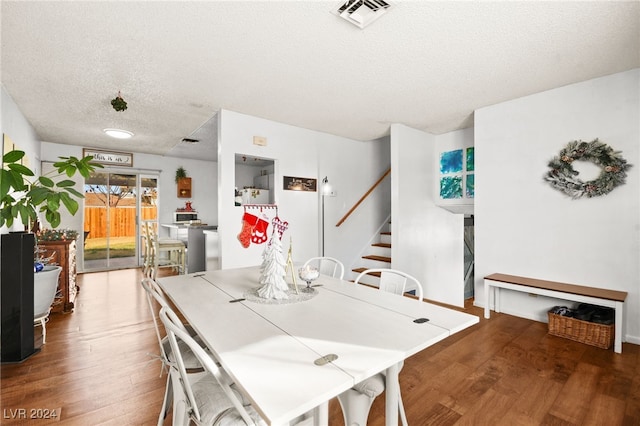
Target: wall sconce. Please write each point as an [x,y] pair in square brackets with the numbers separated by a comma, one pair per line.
[327,189]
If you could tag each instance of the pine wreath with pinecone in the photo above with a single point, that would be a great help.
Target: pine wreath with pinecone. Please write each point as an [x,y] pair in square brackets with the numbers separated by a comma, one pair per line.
[563,177]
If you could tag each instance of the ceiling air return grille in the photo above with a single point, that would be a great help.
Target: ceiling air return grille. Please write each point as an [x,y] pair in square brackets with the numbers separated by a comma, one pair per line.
[362,12]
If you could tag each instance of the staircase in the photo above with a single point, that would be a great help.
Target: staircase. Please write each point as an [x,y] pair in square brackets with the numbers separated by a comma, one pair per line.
[379,257]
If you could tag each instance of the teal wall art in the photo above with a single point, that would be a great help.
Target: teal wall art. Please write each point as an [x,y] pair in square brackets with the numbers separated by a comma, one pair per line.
[451,187]
[456,174]
[451,161]
[470,186]
[470,165]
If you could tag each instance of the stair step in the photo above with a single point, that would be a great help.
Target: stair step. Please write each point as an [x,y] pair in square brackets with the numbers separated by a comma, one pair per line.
[385,245]
[360,270]
[378,258]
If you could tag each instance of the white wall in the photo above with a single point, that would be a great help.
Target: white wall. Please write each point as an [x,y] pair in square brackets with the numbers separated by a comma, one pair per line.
[352,168]
[302,153]
[427,241]
[15,125]
[524,227]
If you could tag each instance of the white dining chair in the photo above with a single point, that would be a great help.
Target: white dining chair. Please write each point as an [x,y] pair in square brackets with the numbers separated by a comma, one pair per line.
[327,266]
[174,251]
[356,402]
[154,294]
[393,281]
[206,399]
[149,269]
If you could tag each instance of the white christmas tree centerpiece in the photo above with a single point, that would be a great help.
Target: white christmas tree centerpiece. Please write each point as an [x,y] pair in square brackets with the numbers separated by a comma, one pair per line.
[272,271]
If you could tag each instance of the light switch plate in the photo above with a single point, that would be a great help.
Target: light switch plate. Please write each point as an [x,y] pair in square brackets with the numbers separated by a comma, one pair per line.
[260,140]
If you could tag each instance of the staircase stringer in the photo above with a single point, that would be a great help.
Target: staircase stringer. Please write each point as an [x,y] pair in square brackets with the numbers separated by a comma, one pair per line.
[356,261]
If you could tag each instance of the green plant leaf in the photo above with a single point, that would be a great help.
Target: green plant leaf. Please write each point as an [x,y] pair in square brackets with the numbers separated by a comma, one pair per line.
[12,156]
[53,201]
[26,214]
[14,179]
[46,181]
[53,217]
[65,183]
[5,216]
[20,169]
[5,184]
[69,203]
[38,195]
[84,171]
[74,192]
[61,166]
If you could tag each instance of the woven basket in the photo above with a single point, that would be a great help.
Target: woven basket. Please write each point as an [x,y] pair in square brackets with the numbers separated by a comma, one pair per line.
[599,335]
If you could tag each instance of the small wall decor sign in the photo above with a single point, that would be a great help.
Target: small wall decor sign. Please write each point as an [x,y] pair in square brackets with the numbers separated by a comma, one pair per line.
[112,158]
[291,183]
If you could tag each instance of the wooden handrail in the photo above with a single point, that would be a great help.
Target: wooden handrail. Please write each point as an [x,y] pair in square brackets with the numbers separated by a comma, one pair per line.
[366,194]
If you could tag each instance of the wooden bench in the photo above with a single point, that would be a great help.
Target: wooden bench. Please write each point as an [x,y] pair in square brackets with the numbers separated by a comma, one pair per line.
[597,296]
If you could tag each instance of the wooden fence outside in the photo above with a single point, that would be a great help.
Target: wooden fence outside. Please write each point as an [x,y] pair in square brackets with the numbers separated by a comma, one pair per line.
[122,219]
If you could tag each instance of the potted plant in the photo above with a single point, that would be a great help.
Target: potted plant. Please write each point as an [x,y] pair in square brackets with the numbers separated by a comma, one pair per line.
[180,173]
[45,286]
[23,195]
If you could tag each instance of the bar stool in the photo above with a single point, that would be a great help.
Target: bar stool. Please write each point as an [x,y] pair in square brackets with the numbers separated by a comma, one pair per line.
[154,247]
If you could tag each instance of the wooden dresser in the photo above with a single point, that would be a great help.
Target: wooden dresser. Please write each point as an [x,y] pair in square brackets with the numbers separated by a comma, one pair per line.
[64,254]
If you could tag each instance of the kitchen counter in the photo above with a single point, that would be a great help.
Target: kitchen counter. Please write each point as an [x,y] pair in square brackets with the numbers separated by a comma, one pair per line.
[193,237]
[212,250]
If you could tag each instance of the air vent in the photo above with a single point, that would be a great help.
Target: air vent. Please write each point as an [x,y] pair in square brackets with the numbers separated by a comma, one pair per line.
[188,140]
[362,12]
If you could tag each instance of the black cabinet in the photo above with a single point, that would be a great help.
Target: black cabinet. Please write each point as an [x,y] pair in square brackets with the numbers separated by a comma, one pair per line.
[16,297]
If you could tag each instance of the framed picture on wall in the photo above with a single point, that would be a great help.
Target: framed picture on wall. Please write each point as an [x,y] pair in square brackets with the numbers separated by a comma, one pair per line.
[8,146]
[111,158]
[291,183]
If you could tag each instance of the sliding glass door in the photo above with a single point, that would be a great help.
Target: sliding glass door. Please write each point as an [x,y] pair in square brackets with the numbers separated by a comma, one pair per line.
[113,206]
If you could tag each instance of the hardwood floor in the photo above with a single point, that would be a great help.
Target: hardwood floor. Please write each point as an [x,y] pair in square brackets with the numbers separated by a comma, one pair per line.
[96,370]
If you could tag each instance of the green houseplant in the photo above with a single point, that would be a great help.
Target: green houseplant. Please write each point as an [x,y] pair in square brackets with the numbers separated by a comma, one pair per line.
[180,173]
[22,195]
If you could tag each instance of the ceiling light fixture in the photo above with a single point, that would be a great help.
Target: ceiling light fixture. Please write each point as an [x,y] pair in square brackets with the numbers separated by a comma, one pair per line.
[118,133]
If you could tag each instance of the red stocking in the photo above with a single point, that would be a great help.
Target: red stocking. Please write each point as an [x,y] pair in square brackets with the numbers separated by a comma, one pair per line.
[248,223]
[259,232]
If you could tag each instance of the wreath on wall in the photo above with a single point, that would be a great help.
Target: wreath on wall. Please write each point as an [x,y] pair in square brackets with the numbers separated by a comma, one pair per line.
[563,177]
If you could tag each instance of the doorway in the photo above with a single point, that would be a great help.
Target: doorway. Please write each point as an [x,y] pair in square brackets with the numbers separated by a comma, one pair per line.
[113,206]
[469,257]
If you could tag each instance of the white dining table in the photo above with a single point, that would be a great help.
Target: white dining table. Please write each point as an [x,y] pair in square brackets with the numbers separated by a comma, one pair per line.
[277,352]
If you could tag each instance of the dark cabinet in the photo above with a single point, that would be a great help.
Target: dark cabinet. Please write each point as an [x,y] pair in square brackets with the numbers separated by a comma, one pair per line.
[63,253]
[16,297]
[184,187]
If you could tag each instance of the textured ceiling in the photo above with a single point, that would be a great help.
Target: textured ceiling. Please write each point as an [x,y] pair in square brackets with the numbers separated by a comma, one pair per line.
[425,64]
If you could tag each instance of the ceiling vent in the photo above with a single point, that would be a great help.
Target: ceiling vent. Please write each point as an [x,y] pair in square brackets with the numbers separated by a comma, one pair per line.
[362,12]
